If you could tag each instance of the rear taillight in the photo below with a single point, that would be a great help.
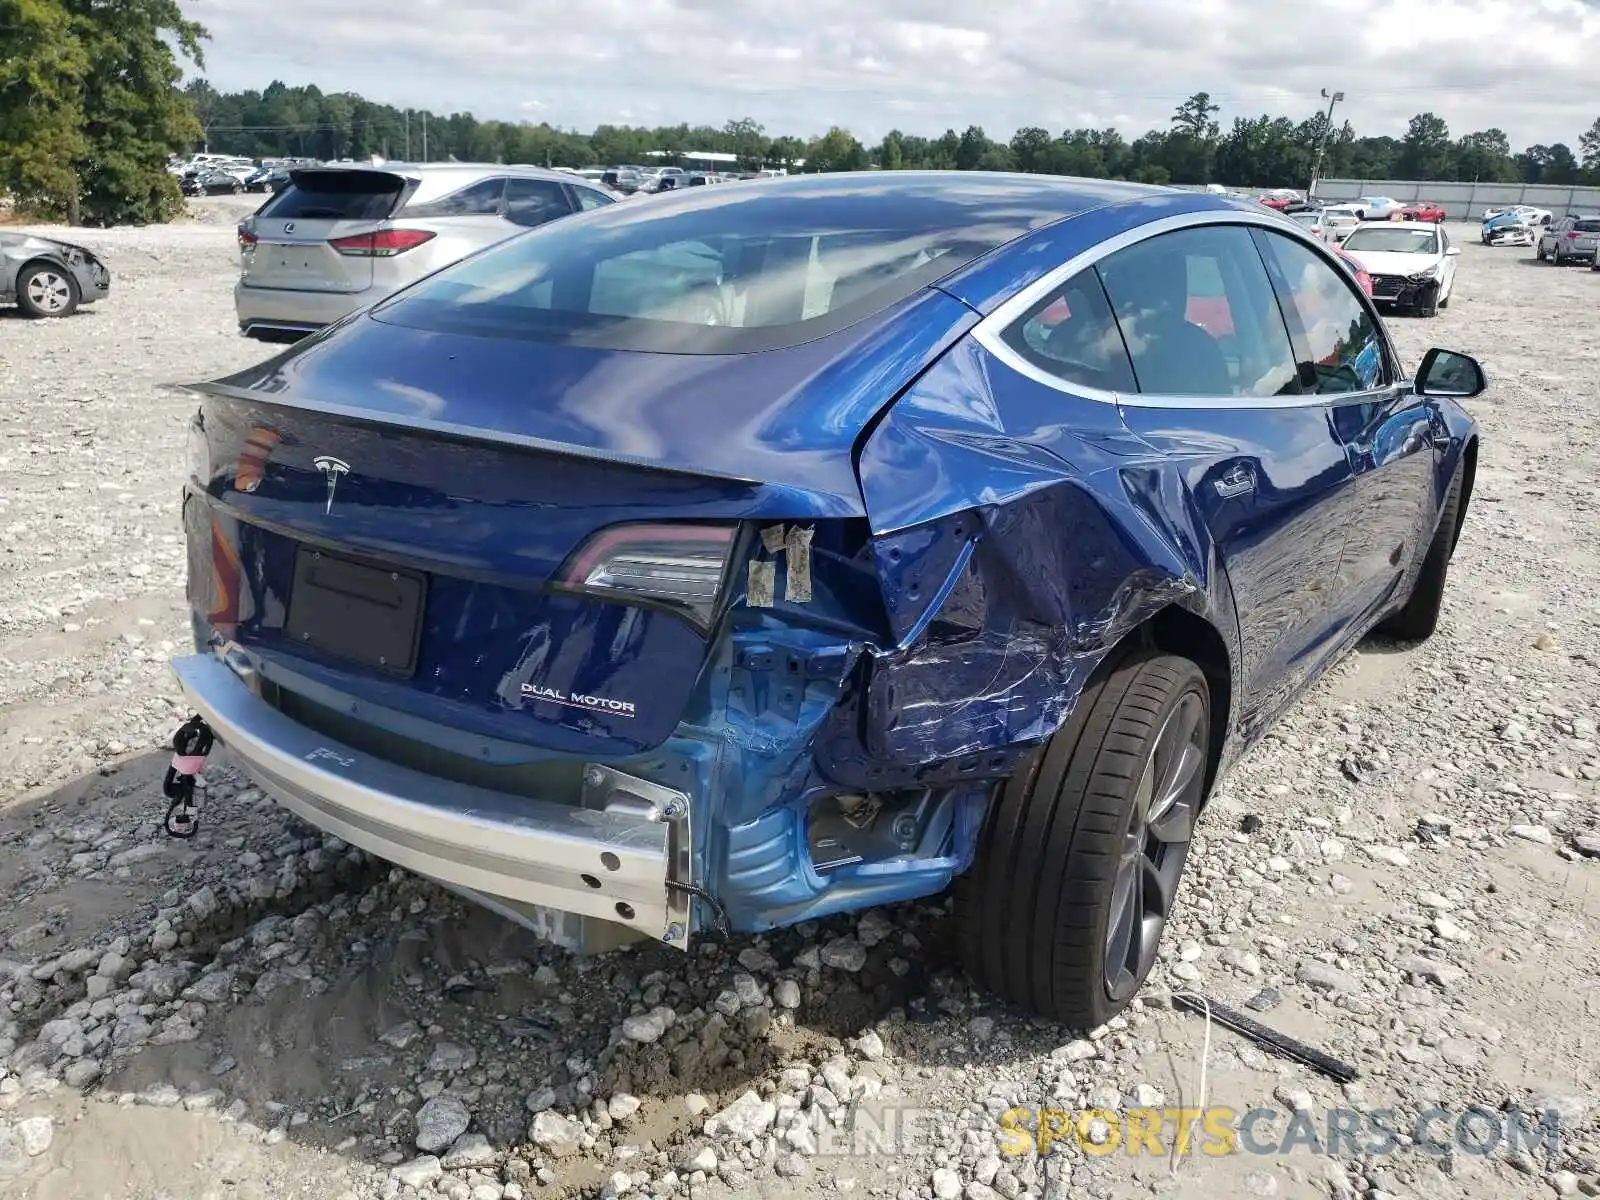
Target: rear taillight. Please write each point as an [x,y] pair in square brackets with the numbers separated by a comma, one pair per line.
[386,243]
[1572,233]
[246,238]
[680,567]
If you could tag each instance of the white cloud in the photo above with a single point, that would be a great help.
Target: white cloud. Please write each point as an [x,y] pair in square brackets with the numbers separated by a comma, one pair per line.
[1526,66]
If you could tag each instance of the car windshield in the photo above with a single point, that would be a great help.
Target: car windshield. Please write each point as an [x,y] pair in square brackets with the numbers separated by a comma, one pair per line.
[1307,218]
[1394,241]
[719,271]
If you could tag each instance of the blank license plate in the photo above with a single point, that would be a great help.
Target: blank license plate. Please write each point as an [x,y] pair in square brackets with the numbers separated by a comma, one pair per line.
[361,613]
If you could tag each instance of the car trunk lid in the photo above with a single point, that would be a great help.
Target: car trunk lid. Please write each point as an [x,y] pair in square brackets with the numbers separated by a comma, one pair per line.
[433,495]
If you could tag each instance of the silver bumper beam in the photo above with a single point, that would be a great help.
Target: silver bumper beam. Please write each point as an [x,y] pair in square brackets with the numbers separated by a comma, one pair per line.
[610,861]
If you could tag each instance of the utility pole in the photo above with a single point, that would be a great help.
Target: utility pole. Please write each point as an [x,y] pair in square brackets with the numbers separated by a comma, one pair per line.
[424,135]
[408,135]
[1322,142]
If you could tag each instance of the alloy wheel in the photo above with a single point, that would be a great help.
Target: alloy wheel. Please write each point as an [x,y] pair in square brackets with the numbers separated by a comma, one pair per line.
[49,291]
[1155,844]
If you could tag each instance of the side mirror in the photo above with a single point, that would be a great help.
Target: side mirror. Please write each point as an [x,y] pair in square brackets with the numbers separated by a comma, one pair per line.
[1447,373]
[1453,251]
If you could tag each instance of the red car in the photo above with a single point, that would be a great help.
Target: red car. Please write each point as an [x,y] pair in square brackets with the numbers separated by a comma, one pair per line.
[1423,210]
[1280,198]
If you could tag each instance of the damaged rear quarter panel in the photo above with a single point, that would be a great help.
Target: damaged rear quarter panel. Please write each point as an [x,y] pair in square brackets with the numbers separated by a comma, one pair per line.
[1019,534]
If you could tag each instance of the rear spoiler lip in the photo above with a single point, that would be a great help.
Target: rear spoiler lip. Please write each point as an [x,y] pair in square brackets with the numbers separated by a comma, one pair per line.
[468,433]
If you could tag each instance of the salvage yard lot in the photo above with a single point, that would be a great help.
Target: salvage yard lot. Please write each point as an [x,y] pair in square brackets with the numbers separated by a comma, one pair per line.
[264,1013]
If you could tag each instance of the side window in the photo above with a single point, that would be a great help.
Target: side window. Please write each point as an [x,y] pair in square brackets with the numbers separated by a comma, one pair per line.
[1199,315]
[1342,339]
[589,198]
[474,200]
[1072,335]
[535,201]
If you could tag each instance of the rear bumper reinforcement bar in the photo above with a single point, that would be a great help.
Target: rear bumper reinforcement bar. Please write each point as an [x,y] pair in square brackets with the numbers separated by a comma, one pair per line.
[611,861]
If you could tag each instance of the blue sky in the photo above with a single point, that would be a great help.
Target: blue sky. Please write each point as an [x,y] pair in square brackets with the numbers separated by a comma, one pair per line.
[924,65]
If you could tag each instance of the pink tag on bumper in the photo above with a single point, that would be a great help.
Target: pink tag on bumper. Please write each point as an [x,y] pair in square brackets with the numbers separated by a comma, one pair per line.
[188,764]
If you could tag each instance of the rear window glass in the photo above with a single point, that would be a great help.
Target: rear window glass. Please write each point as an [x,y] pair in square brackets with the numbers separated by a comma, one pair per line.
[722,271]
[1588,226]
[336,196]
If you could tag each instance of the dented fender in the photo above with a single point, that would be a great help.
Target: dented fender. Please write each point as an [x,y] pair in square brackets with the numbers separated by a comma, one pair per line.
[1000,613]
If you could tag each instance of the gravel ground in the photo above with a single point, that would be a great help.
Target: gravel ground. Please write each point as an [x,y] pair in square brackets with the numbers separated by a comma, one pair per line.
[1400,875]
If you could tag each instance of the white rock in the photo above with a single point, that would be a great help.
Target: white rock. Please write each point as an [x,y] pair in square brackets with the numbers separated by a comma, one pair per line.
[1387,854]
[787,993]
[622,1106]
[703,1159]
[557,1136]
[946,1184]
[1532,833]
[36,1134]
[418,1172]
[747,1117]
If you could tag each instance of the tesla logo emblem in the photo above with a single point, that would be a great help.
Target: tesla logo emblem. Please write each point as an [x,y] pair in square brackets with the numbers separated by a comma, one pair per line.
[288,226]
[331,468]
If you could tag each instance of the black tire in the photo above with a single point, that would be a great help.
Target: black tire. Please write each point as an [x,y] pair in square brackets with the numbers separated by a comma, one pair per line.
[1417,620]
[1430,306]
[1538,251]
[1555,256]
[62,291]
[1034,914]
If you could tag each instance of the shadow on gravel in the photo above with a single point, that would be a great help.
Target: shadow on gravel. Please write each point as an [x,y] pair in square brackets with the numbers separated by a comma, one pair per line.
[301,991]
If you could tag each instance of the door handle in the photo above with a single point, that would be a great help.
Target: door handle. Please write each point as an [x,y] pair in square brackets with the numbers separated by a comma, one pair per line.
[1238,480]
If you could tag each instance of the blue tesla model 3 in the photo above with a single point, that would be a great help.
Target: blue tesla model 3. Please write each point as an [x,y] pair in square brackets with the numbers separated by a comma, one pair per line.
[780,549]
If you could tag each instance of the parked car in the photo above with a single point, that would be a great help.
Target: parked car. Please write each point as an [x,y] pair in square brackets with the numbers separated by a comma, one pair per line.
[691,566]
[1376,208]
[1339,220]
[212,182]
[49,278]
[1530,214]
[1423,210]
[1509,228]
[1281,198]
[1412,263]
[1311,221]
[1571,239]
[337,238]
[267,179]
[626,182]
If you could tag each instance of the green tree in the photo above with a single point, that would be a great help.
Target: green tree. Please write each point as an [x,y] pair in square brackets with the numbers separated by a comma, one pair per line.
[42,146]
[1484,156]
[1426,152]
[974,144]
[1194,116]
[135,116]
[1030,148]
[1589,144]
[836,150]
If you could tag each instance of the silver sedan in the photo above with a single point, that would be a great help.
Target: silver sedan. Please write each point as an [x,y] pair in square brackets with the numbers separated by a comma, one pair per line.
[47,278]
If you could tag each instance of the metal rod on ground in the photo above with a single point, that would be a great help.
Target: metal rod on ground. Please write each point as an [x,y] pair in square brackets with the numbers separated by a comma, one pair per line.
[1270,1039]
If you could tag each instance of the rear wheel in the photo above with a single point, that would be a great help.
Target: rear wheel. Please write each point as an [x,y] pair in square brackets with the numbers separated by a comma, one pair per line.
[1080,856]
[46,290]
[1420,616]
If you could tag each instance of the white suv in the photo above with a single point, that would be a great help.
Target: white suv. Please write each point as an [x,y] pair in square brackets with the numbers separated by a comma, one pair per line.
[336,239]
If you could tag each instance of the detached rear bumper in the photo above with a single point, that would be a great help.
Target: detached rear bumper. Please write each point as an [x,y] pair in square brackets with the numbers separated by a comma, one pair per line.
[611,862]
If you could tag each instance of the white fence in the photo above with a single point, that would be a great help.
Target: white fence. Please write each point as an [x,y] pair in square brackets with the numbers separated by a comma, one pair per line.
[1466,201]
